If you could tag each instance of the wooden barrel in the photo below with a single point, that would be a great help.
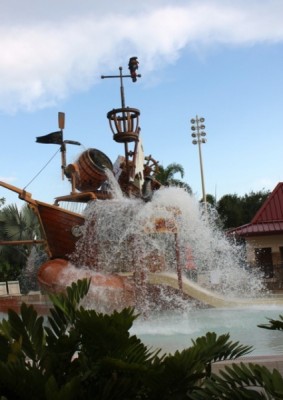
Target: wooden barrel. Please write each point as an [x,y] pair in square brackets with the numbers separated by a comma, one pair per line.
[92,165]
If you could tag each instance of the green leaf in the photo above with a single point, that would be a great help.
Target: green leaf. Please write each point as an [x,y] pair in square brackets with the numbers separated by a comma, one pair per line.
[273,324]
[69,391]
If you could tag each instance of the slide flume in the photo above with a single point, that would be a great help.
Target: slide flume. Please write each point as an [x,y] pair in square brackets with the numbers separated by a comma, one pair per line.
[209,297]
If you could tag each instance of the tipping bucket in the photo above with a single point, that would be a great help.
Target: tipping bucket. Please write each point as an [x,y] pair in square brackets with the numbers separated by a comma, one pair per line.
[91,166]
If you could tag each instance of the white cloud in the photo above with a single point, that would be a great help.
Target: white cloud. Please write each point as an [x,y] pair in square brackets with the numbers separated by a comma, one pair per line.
[47,56]
[8,179]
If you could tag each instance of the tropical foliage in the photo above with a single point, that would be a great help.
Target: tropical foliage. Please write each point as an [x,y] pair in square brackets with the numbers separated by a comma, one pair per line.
[273,324]
[210,199]
[165,175]
[81,354]
[16,225]
[237,210]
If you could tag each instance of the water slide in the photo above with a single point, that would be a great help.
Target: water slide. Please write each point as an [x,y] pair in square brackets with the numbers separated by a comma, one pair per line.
[209,297]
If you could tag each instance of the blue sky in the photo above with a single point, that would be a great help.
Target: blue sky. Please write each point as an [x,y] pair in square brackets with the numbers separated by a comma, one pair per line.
[219,59]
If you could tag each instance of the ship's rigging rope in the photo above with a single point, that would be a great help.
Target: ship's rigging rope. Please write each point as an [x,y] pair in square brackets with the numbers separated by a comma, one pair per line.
[39,172]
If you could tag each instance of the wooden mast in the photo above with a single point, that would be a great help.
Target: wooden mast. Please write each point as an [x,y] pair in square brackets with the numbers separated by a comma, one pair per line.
[124,123]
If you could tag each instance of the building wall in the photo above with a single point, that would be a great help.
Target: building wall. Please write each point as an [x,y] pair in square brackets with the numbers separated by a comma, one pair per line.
[273,271]
[274,242]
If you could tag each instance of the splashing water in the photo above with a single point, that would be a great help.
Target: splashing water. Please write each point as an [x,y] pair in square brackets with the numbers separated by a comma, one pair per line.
[171,232]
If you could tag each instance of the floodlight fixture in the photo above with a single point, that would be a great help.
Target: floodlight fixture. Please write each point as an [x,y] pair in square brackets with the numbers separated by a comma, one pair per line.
[197,126]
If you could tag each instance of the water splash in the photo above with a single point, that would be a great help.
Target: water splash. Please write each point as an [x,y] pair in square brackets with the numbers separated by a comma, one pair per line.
[170,233]
[113,185]
[28,277]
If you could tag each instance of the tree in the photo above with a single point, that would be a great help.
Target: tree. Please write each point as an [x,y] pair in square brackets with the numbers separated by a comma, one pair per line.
[252,202]
[237,210]
[210,199]
[16,224]
[166,176]
[81,354]
[230,211]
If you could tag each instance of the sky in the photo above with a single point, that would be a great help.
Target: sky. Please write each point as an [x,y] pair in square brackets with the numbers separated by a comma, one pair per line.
[217,59]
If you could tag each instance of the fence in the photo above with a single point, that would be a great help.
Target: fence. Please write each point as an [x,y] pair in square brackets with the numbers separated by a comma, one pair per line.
[10,288]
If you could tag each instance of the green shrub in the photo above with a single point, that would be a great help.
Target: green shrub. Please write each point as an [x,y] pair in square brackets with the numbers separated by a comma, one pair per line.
[81,354]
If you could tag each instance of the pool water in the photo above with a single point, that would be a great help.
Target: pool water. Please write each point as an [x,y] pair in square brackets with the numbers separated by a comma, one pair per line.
[172,332]
[175,331]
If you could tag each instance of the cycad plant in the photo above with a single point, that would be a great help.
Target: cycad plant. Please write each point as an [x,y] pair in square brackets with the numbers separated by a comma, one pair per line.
[77,353]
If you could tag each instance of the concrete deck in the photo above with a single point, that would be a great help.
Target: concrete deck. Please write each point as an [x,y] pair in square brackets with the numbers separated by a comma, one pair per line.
[270,362]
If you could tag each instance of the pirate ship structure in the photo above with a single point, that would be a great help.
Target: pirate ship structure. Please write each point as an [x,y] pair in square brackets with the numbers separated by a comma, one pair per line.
[88,176]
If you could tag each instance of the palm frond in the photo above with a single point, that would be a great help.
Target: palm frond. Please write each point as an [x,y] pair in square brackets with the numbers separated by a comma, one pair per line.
[273,324]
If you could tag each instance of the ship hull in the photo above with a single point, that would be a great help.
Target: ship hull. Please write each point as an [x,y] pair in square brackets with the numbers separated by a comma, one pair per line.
[61,229]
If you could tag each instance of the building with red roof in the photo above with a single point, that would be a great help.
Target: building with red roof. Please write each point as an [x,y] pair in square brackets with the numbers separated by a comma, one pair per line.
[264,236]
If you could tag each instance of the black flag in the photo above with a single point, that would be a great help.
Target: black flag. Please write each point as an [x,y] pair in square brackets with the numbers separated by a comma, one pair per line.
[51,138]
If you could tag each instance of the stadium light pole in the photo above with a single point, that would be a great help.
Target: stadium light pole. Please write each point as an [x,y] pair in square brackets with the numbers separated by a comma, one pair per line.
[199,139]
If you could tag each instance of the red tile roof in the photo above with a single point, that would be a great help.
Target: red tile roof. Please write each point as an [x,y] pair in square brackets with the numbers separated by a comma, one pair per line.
[269,218]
